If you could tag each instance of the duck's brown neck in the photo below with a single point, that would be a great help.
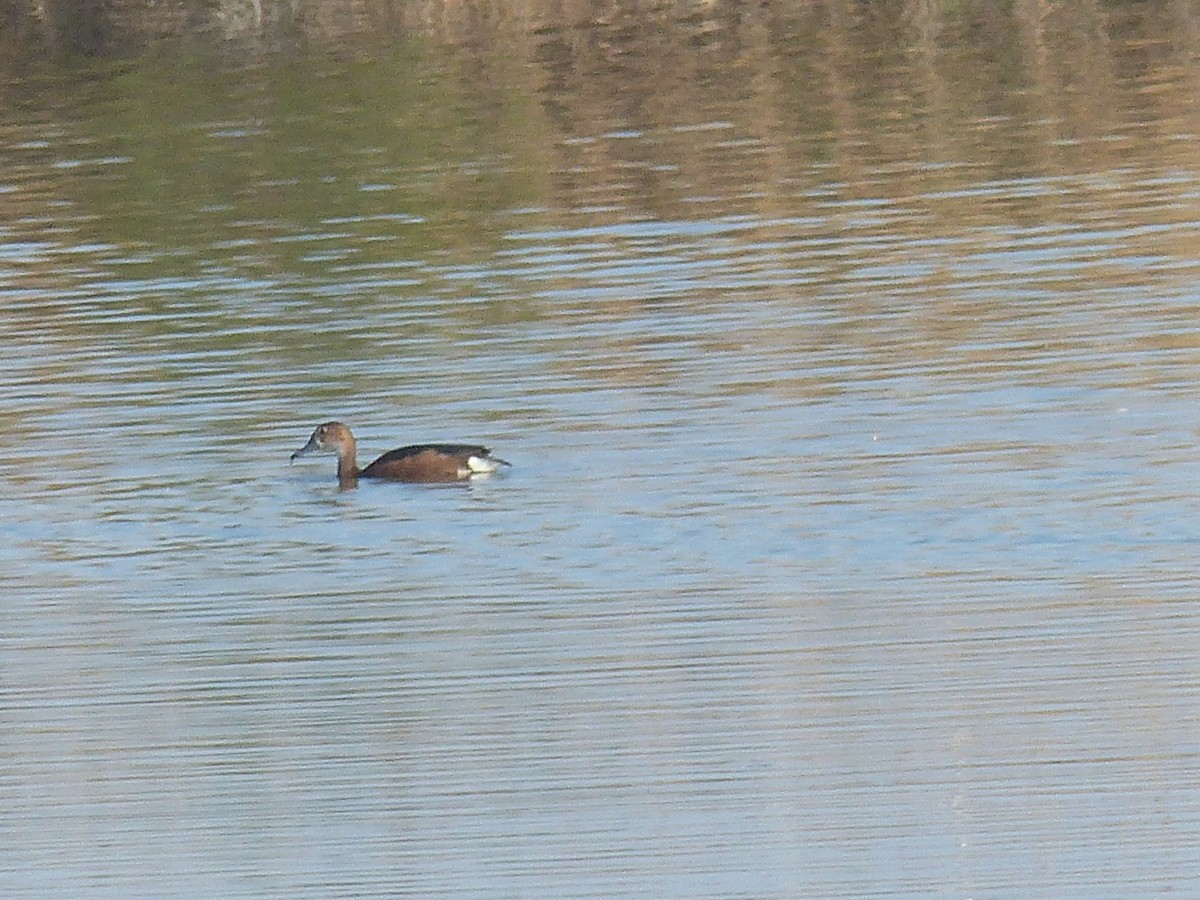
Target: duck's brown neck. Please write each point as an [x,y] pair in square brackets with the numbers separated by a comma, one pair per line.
[348,463]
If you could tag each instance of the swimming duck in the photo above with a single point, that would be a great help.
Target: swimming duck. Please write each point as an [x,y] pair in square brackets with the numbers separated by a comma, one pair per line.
[417,462]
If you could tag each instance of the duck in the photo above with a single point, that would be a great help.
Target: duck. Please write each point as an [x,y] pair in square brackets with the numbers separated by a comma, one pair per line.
[414,463]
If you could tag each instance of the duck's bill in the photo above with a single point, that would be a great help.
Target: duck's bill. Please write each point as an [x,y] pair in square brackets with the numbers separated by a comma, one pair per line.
[307,448]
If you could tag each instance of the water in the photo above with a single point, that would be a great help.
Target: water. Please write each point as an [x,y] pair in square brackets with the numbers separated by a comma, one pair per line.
[848,545]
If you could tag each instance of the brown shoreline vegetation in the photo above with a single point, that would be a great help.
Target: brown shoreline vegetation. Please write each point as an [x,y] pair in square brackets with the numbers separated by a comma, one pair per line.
[113,27]
[1042,60]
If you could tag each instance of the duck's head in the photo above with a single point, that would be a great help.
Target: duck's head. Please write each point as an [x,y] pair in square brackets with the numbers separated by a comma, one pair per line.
[332,436]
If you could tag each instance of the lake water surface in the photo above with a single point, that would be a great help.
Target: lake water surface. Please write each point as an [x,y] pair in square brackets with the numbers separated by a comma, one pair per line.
[848,374]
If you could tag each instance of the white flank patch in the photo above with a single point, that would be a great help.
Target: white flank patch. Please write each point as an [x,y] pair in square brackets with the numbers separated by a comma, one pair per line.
[479,465]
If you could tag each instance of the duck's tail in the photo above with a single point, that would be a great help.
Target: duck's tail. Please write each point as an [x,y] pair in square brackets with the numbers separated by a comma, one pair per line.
[481,465]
